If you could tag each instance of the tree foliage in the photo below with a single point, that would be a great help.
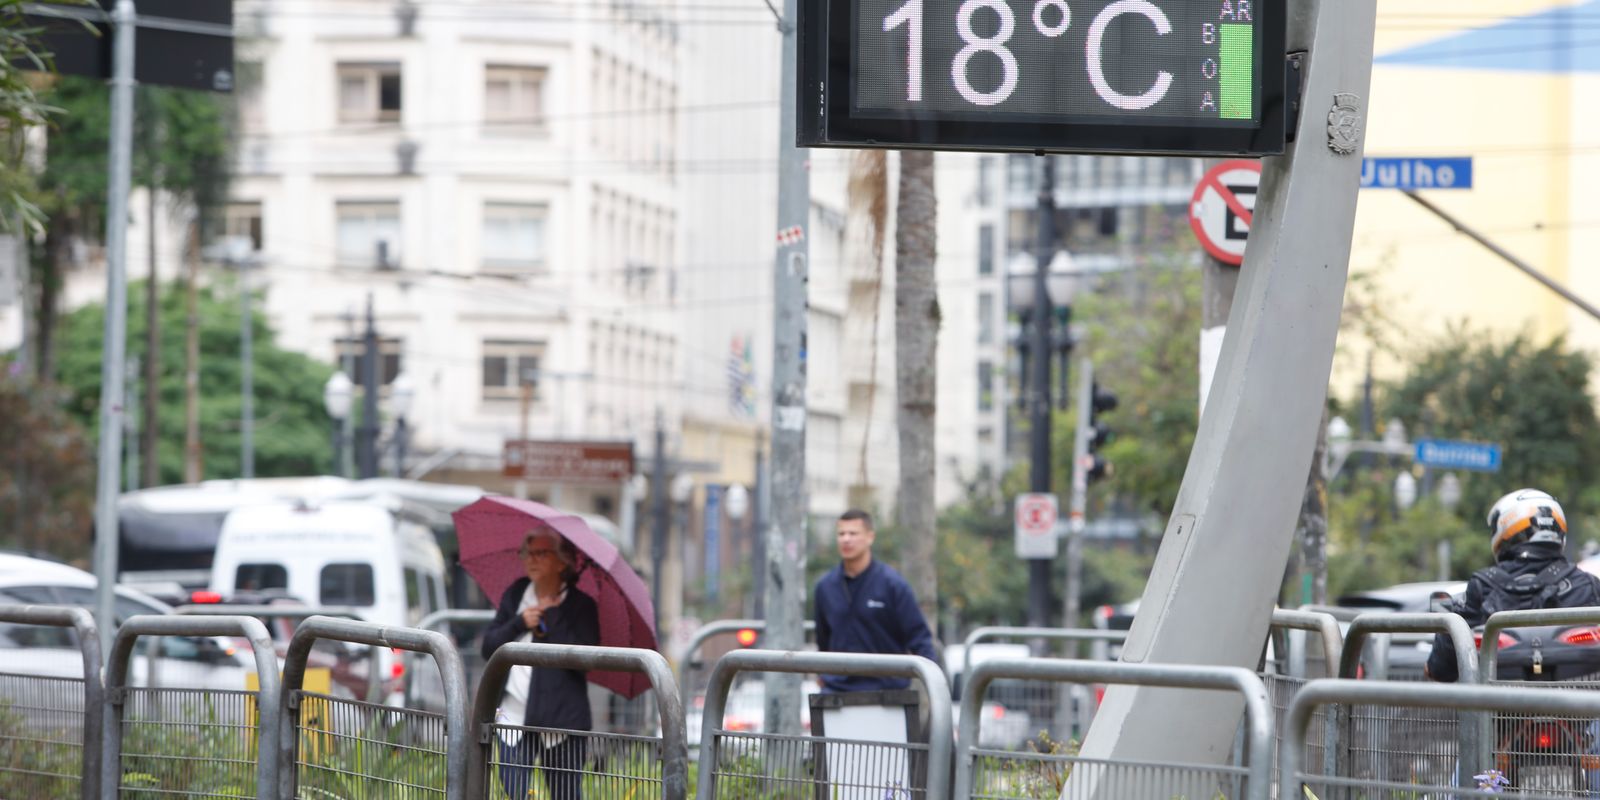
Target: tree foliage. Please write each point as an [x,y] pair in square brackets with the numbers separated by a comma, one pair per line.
[291,429]
[22,61]
[1532,398]
[46,471]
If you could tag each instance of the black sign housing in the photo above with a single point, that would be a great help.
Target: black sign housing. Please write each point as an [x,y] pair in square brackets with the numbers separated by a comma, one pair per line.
[1161,77]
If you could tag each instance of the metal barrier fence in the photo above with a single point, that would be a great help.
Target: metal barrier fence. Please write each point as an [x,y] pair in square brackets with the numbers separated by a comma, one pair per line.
[983,774]
[1397,744]
[602,766]
[1060,711]
[441,621]
[685,660]
[269,614]
[189,741]
[1457,699]
[741,765]
[1283,685]
[52,728]
[355,750]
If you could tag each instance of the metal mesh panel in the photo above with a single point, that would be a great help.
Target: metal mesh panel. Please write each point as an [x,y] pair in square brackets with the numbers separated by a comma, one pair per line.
[188,742]
[361,751]
[1281,690]
[1403,745]
[1556,755]
[1022,714]
[1327,788]
[553,764]
[1001,775]
[41,737]
[774,767]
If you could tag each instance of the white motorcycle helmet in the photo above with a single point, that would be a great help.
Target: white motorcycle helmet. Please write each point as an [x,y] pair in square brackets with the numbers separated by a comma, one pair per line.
[1526,516]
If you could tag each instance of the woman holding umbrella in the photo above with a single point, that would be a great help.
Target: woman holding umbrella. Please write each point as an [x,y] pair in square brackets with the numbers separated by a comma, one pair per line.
[546,607]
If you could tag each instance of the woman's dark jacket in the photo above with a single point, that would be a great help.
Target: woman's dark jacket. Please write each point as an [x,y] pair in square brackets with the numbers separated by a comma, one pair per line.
[557,698]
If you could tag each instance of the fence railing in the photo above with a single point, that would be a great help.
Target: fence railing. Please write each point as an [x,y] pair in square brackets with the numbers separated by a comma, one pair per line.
[1005,771]
[871,766]
[376,750]
[189,742]
[1390,741]
[440,621]
[715,628]
[623,765]
[1462,698]
[36,716]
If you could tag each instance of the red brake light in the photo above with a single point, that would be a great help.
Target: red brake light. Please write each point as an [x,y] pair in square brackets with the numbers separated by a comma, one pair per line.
[398,669]
[999,711]
[747,636]
[205,597]
[1502,641]
[1544,740]
[1587,636]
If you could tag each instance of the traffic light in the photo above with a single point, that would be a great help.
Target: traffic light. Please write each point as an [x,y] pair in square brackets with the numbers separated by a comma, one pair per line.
[1102,400]
[747,637]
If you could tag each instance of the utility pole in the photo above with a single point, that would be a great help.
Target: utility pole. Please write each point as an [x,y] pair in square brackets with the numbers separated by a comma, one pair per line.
[786,536]
[368,433]
[191,370]
[658,519]
[348,455]
[758,528]
[119,182]
[149,433]
[1040,407]
[247,378]
[130,470]
[1078,510]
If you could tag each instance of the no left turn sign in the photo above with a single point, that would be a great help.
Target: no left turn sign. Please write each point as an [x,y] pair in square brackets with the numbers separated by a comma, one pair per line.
[1222,208]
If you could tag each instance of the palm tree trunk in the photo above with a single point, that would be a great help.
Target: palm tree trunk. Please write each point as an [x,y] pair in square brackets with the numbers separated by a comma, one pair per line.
[916,327]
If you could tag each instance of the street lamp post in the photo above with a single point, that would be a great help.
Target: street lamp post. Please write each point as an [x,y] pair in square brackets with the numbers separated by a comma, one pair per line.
[401,395]
[337,395]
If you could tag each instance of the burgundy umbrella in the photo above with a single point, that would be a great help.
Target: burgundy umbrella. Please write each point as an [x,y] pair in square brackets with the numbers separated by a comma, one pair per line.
[491,530]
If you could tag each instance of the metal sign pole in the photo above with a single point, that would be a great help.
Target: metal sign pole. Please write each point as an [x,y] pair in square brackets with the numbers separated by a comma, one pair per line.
[1232,526]
[120,180]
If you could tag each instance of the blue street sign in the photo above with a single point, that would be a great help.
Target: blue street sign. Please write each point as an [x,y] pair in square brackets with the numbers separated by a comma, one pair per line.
[1416,173]
[713,542]
[1445,454]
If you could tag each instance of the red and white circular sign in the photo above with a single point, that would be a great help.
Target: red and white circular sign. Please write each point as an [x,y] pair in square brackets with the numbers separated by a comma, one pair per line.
[1223,205]
[1036,514]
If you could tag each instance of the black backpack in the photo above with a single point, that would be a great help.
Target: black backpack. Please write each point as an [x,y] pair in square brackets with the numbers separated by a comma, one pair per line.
[1529,590]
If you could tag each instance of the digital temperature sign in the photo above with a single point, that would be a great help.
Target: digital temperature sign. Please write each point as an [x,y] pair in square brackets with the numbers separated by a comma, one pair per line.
[1198,77]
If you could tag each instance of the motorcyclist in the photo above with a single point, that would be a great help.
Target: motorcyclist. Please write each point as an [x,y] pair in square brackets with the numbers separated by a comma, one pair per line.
[1529,533]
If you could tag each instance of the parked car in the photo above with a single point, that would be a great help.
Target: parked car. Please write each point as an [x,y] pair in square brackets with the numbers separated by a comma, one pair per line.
[202,662]
[1408,652]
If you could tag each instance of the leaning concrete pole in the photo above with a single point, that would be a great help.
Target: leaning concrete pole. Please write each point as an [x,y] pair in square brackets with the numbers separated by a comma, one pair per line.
[1211,592]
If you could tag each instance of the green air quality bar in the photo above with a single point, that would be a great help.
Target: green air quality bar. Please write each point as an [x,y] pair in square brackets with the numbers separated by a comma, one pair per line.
[1238,71]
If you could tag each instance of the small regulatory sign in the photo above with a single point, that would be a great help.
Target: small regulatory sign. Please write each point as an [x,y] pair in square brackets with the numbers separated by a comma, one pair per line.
[1222,208]
[1036,525]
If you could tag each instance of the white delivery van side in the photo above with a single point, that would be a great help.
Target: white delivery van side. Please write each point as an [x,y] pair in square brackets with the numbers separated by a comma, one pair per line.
[366,555]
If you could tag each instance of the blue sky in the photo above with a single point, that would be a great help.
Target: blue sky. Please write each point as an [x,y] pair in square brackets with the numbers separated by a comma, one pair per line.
[1564,39]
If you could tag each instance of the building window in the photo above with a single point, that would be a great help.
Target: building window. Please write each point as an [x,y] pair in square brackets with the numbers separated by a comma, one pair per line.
[985,318]
[507,364]
[513,237]
[243,221]
[985,249]
[513,98]
[985,386]
[352,355]
[369,92]
[369,234]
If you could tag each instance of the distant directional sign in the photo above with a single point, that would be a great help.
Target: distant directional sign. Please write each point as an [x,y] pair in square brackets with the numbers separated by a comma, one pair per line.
[1446,454]
[1411,174]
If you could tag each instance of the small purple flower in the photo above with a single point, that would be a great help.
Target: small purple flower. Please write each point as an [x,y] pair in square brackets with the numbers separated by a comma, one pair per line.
[1492,781]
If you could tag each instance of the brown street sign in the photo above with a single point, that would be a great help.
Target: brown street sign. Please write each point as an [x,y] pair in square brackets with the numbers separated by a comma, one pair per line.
[568,462]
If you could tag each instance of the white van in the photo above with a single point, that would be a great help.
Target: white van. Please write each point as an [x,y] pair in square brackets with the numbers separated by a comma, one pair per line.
[371,556]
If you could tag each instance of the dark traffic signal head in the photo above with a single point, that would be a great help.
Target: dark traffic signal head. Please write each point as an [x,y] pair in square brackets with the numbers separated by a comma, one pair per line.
[1102,400]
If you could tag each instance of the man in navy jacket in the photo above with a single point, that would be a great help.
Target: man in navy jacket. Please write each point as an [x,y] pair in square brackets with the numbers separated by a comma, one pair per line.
[863,606]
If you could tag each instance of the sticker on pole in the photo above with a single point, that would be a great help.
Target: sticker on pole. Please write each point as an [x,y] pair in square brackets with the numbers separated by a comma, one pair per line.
[1036,525]
[1222,208]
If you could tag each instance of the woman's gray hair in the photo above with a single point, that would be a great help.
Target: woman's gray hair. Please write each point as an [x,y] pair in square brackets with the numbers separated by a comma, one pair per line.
[563,548]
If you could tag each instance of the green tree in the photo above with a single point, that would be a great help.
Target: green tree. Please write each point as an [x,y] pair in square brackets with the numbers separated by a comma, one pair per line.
[181,147]
[292,428]
[46,471]
[1532,398]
